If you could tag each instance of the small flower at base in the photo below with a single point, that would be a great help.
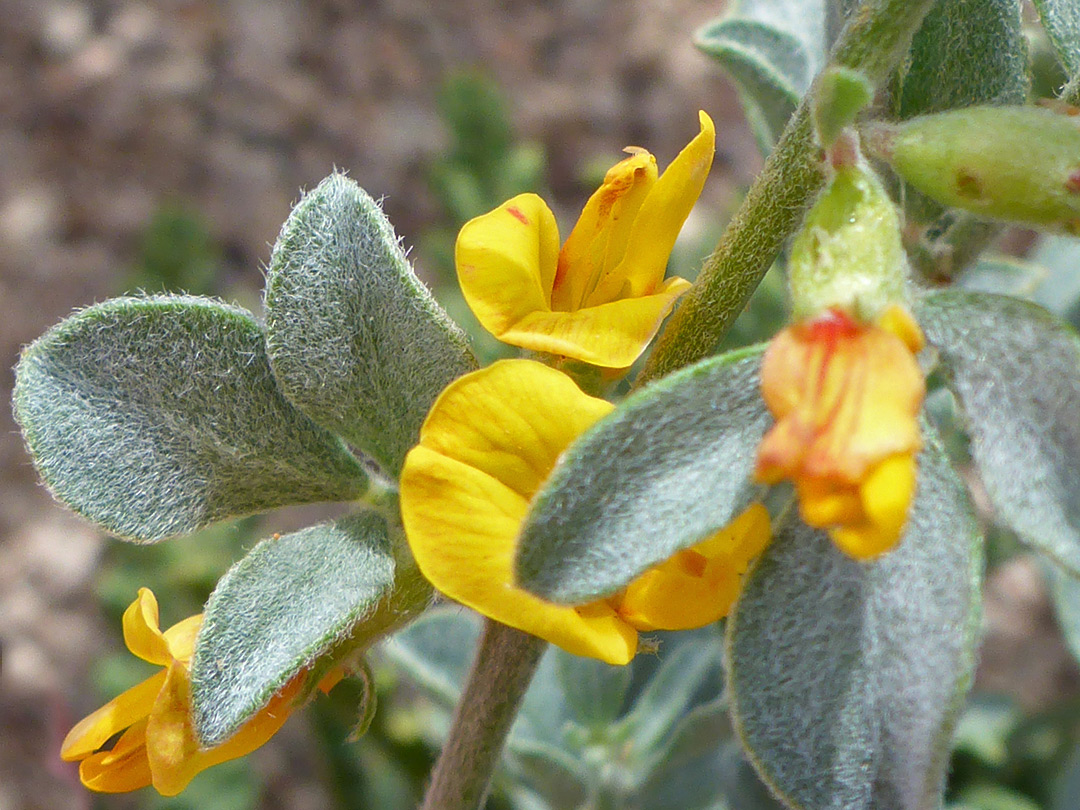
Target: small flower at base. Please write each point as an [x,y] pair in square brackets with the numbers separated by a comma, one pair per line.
[158,746]
[602,297]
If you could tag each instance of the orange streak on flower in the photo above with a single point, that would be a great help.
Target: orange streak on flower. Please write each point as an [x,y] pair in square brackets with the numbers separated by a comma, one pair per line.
[602,296]
[846,397]
[516,213]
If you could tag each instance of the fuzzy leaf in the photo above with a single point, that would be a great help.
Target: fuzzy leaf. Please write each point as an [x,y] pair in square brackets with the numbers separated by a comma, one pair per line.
[292,598]
[1061,21]
[771,49]
[846,678]
[594,690]
[1016,370]
[684,673]
[1003,275]
[157,416]
[436,651]
[355,339]
[668,467]
[966,52]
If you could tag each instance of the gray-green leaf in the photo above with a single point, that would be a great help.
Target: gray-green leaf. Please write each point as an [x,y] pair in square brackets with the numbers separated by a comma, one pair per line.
[771,49]
[1061,21]
[157,416]
[1015,369]
[966,52]
[846,678]
[292,598]
[667,468]
[355,339]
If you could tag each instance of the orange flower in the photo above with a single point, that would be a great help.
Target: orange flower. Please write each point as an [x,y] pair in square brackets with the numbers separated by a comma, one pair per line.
[602,297]
[846,396]
[158,746]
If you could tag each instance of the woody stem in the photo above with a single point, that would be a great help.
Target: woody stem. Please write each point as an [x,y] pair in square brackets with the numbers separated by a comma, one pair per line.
[874,40]
[502,669]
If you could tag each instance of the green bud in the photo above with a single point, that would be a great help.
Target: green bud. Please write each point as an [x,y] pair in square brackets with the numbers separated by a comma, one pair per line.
[840,94]
[849,253]
[1014,163]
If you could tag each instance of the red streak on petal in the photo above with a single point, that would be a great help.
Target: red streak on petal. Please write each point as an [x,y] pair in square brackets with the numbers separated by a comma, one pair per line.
[1072,185]
[830,327]
[517,214]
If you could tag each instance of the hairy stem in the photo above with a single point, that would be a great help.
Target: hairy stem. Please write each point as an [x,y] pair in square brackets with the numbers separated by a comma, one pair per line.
[504,665]
[874,40]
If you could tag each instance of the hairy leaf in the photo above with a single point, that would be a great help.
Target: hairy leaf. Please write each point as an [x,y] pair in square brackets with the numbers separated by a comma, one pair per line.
[668,467]
[1061,20]
[157,416]
[966,52]
[291,599]
[355,339]
[846,677]
[1016,372]
[771,49]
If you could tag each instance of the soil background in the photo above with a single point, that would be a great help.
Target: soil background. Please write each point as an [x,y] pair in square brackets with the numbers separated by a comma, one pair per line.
[110,110]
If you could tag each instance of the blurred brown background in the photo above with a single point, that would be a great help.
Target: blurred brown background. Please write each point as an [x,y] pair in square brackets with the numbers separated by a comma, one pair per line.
[111,110]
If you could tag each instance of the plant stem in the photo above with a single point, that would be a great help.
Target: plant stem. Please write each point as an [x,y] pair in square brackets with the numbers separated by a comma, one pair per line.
[874,40]
[504,665]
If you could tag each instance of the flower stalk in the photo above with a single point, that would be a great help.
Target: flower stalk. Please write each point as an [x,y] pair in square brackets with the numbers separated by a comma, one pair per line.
[873,42]
[505,662]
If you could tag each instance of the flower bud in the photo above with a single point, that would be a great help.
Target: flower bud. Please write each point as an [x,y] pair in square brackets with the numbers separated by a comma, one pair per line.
[1014,163]
[848,254]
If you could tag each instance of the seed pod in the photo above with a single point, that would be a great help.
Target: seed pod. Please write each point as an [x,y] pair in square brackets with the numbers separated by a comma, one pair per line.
[1014,163]
[849,253]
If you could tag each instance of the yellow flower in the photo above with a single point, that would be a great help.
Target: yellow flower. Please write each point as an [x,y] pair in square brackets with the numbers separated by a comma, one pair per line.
[158,746]
[602,298]
[846,396]
[490,442]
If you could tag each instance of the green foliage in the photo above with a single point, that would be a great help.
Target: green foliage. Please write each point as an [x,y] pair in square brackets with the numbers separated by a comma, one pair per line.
[848,252]
[1061,21]
[842,93]
[846,678]
[1010,163]
[771,49]
[665,745]
[669,467]
[484,166]
[291,599]
[176,254]
[966,52]
[157,416]
[1021,414]
[355,339]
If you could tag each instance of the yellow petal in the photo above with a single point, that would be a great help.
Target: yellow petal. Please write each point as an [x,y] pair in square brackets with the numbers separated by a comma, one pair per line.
[825,503]
[659,220]
[886,495]
[142,635]
[598,242]
[511,420]
[94,730]
[181,637]
[506,262]
[123,768]
[173,749]
[610,335]
[491,439]
[699,585]
[862,541]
